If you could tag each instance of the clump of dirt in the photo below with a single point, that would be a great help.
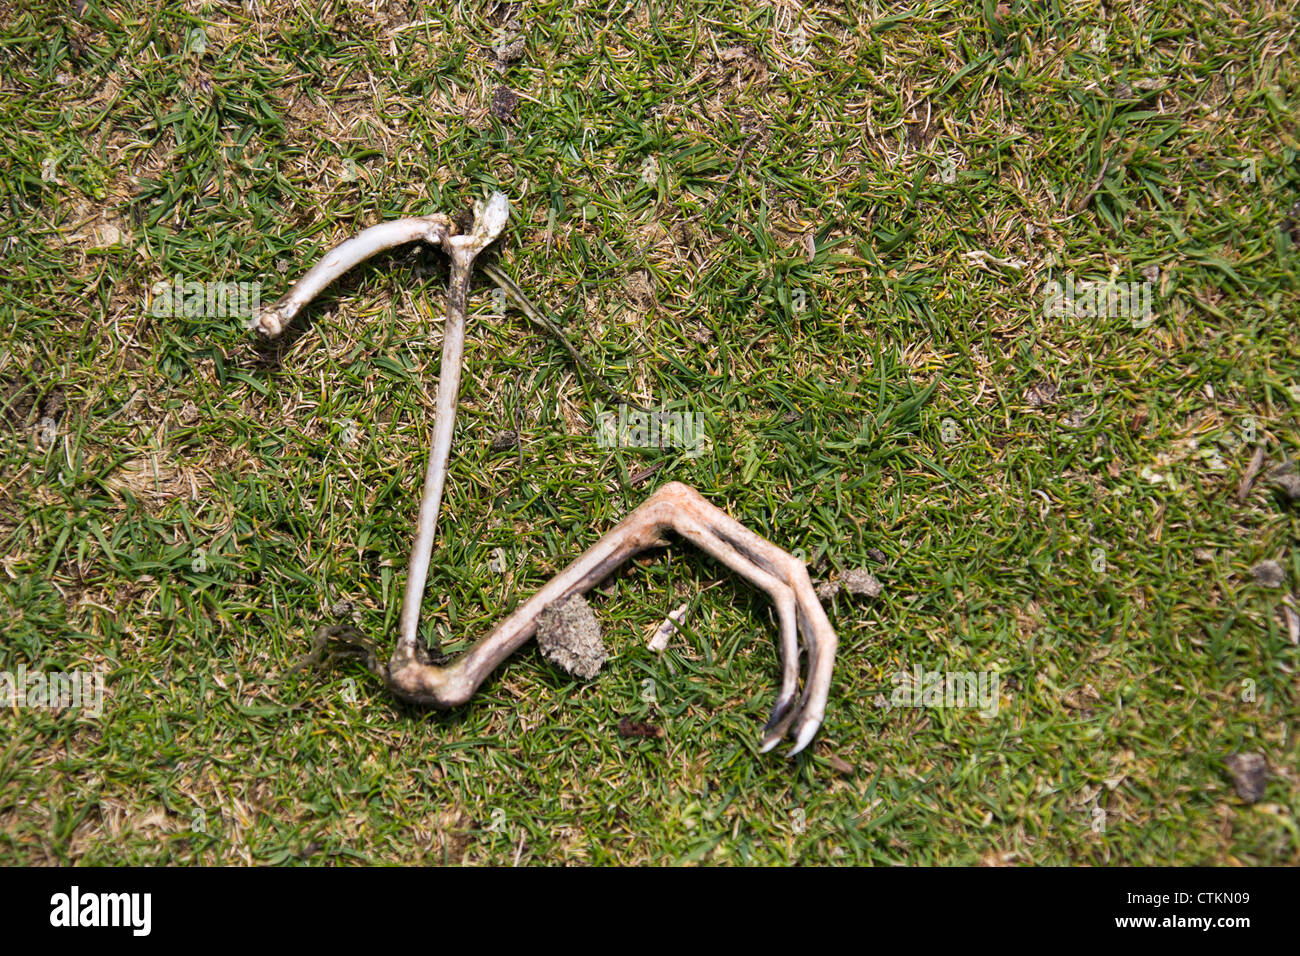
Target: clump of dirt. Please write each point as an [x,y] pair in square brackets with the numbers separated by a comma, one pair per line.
[1269,574]
[508,42]
[507,53]
[1286,479]
[637,728]
[861,583]
[1249,775]
[504,441]
[569,636]
[640,289]
[504,103]
[738,67]
[858,582]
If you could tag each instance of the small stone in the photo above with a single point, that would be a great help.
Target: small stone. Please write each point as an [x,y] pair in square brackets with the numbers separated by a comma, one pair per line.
[875,554]
[1269,574]
[1249,775]
[569,636]
[1203,555]
[507,53]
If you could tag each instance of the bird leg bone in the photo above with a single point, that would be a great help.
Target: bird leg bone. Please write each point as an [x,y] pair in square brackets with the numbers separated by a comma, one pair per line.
[411,673]
[679,508]
[437,229]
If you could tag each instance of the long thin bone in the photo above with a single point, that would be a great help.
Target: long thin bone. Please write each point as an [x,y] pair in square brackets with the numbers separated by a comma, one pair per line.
[489,220]
[369,242]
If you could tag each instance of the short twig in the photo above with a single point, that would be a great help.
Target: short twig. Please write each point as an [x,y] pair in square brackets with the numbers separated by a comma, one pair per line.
[639,476]
[1083,200]
[1252,472]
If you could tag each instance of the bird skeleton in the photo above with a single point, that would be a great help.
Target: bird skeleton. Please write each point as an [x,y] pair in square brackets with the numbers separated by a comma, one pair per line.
[411,673]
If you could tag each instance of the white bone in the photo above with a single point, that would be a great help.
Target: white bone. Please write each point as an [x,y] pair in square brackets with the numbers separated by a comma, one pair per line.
[659,640]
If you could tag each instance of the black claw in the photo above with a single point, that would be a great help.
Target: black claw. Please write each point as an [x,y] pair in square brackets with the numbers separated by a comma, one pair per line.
[779,711]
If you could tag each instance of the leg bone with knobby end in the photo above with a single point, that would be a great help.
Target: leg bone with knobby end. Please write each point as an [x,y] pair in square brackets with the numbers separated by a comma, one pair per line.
[367,243]
[489,220]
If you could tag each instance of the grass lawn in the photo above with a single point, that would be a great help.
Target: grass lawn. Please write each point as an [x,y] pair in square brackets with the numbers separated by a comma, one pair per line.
[830,235]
